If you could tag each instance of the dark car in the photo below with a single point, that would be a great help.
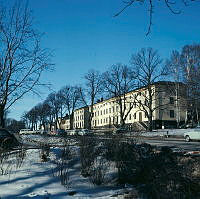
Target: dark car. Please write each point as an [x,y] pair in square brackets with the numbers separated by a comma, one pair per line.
[120,130]
[7,139]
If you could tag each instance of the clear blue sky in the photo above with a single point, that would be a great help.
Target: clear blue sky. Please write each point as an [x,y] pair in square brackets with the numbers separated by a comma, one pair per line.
[84,35]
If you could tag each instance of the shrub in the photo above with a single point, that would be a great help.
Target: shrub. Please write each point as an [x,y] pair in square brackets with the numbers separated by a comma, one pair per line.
[87,154]
[98,170]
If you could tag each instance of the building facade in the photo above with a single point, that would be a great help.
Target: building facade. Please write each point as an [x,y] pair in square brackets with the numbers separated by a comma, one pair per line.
[167,101]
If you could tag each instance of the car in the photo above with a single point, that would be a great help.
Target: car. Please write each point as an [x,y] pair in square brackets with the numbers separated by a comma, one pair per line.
[7,139]
[72,132]
[83,132]
[192,134]
[120,130]
[25,131]
[60,132]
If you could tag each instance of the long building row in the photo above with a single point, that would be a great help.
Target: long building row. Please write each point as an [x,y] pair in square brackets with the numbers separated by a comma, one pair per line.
[169,107]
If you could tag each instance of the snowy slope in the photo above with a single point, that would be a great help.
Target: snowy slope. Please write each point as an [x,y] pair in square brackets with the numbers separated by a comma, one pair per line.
[34,179]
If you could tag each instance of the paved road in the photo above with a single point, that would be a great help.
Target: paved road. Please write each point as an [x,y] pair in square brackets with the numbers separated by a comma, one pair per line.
[176,144]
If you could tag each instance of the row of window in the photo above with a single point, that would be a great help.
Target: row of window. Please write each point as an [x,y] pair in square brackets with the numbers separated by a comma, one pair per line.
[116,120]
[77,118]
[106,111]
[78,125]
[78,112]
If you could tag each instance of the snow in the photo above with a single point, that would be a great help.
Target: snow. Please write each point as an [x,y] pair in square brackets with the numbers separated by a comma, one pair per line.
[26,176]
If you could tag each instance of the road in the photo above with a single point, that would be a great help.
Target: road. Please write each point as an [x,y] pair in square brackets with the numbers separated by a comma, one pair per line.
[176,144]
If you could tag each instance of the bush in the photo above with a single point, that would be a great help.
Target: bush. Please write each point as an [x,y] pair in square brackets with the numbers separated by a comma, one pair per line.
[163,177]
[87,154]
[98,170]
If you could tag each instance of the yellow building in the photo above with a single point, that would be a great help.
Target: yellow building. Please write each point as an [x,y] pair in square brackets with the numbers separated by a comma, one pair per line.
[81,117]
[168,108]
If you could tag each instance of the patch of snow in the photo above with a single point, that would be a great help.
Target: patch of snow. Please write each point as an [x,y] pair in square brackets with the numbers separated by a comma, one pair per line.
[34,179]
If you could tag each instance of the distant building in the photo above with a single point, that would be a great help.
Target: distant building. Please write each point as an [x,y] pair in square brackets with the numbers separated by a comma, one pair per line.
[81,118]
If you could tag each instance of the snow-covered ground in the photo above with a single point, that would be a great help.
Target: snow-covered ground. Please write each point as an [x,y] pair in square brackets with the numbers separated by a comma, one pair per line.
[26,175]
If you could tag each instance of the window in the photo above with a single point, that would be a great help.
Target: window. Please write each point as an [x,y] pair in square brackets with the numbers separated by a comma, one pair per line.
[171,100]
[171,113]
[135,116]
[130,117]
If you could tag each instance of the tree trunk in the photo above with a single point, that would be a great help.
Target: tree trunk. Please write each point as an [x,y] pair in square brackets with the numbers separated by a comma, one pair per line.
[2,119]
[71,118]
[150,122]
[122,122]
[90,121]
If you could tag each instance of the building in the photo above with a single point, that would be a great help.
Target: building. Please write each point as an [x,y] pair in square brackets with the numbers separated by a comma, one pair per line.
[81,118]
[166,99]
[65,122]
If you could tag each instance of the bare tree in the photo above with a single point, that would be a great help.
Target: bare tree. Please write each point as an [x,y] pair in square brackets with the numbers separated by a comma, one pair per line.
[53,100]
[118,81]
[43,113]
[48,115]
[71,99]
[190,63]
[176,75]
[170,5]
[31,118]
[22,60]
[147,67]
[93,88]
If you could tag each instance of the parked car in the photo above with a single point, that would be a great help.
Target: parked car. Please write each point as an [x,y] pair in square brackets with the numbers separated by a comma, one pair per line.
[25,131]
[72,132]
[7,139]
[83,132]
[120,130]
[42,132]
[61,132]
[192,134]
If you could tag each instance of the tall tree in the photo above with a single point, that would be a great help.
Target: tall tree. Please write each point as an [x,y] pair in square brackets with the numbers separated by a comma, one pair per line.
[71,99]
[176,75]
[53,100]
[22,59]
[93,88]
[148,69]
[118,81]
[190,62]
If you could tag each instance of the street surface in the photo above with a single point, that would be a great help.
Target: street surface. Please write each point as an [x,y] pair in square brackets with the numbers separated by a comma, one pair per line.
[176,144]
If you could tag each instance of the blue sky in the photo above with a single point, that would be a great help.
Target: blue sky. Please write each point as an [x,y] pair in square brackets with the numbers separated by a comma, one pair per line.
[84,34]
